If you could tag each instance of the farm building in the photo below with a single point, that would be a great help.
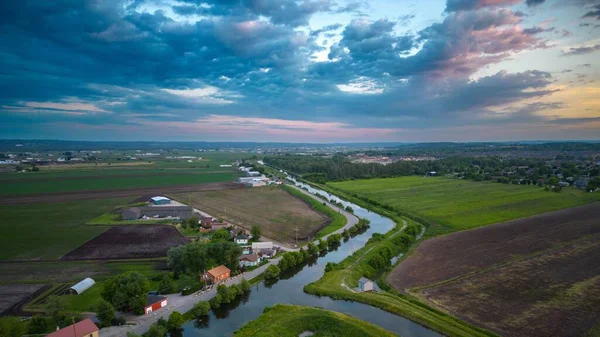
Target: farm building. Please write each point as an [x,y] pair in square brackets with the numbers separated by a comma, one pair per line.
[262,245]
[249,260]
[154,302]
[82,286]
[364,284]
[218,274]
[253,173]
[160,200]
[242,239]
[159,209]
[85,328]
[132,213]
[244,180]
[256,182]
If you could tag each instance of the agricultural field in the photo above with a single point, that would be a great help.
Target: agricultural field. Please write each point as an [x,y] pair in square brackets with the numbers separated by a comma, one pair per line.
[536,276]
[292,320]
[129,242]
[11,294]
[65,184]
[453,205]
[48,231]
[276,211]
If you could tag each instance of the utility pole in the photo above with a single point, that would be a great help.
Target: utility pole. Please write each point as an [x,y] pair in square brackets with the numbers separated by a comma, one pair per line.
[296,229]
[74,332]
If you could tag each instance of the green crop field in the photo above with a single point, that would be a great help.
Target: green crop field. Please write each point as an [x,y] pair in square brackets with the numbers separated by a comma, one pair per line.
[108,183]
[292,320]
[453,205]
[47,231]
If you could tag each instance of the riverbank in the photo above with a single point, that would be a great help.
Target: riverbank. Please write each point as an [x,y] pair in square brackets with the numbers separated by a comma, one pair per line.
[340,282]
[291,320]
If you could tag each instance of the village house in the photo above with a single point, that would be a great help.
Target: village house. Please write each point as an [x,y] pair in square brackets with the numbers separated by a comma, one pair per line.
[242,239]
[218,274]
[249,260]
[85,328]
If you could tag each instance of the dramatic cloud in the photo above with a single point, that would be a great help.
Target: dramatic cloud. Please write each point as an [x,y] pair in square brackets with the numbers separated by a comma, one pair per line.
[582,50]
[534,2]
[282,69]
[593,13]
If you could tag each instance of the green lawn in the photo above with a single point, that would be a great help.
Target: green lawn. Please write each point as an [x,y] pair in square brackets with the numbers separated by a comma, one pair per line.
[166,179]
[291,320]
[48,231]
[453,205]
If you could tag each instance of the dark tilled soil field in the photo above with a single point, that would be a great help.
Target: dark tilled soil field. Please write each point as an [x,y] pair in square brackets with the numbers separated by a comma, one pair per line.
[552,294]
[453,255]
[13,294]
[84,195]
[129,242]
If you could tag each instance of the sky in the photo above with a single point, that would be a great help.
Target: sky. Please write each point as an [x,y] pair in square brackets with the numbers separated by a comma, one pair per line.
[312,71]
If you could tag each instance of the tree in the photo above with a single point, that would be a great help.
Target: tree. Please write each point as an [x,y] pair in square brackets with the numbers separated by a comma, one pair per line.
[245,285]
[272,272]
[105,312]
[37,325]
[216,301]
[55,307]
[323,245]
[166,285]
[127,292]
[201,308]
[256,232]
[312,249]
[222,235]
[156,331]
[552,181]
[10,326]
[175,321]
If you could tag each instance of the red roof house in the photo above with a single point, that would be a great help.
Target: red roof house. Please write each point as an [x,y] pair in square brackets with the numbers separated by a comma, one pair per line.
[85,328]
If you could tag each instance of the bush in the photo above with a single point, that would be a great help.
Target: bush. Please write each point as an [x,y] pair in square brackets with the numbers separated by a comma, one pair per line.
[216,301]
[37,325]
[201,308]
[272,272]
[175,321]
[245,285]
[105,313]
[166,285]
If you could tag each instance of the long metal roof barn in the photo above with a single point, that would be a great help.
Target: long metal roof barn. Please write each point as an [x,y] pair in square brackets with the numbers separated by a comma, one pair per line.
[83,285]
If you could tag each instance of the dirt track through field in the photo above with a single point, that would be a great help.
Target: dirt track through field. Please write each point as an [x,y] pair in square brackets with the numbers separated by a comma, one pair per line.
[101,194]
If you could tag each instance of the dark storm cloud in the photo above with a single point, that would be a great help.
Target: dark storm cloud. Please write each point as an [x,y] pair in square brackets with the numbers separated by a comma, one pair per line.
[593,13]
[534,2]
[461,5]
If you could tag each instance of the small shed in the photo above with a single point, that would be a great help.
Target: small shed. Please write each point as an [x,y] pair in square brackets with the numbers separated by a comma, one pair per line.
[262,245]
[81,286]
[154,302]
[160,200]
[132,213]
[364,284]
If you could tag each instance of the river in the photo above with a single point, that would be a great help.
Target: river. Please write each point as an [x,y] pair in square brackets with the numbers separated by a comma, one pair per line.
[290,291]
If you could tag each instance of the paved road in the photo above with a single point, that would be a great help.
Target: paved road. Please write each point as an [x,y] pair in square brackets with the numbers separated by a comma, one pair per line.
[176,302]
[185,303]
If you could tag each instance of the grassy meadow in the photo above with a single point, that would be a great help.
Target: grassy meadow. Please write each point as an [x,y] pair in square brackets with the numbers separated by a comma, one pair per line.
[291,320]
[48,231]
[454,205]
